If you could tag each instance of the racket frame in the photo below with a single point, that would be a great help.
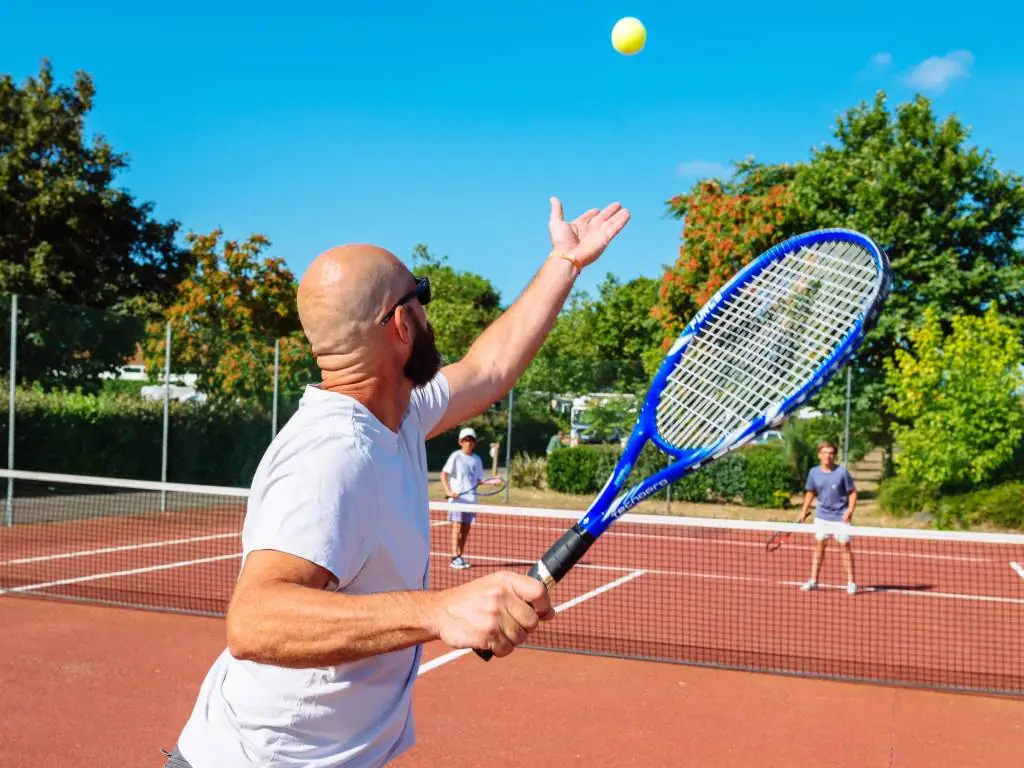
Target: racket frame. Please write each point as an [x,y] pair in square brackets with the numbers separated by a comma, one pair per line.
[610,503]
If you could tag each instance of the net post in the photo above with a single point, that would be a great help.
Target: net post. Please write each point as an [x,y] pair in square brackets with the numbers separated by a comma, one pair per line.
[508,444]
[277,376]
[12,376]
[167,414]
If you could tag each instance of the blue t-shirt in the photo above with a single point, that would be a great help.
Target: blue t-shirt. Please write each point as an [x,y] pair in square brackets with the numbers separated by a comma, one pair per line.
[833,491]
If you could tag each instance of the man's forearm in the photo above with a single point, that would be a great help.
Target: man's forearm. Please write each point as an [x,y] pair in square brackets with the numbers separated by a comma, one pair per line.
[505,349]
[290,625]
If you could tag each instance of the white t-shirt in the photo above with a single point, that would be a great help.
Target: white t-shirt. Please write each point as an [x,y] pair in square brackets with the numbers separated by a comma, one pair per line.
[340,489]
[464,472]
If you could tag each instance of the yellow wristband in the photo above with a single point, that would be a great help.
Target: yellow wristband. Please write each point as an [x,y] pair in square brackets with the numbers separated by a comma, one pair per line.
[570,258]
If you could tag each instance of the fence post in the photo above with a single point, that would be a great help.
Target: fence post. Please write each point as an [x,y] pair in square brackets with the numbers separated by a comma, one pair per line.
[846,425]
[12,373]
[167,415]
[277,374]
[508,446]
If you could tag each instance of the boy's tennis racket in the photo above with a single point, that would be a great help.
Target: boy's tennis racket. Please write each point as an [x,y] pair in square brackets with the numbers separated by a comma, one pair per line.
[777,540]
[768,340]
[490,486]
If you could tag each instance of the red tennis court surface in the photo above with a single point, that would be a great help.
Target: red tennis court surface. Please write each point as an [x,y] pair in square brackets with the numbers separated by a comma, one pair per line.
[933,612]
[90,685]
[112,686]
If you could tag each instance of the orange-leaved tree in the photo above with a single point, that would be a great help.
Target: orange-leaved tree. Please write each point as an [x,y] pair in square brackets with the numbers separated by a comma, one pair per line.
[726,224]
[225,319]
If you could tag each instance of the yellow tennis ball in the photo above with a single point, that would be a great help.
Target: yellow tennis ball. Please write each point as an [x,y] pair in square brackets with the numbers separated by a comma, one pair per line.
[629,36]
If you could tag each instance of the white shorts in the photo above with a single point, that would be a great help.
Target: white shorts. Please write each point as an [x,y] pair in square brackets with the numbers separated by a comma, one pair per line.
[823,529]
[461,516]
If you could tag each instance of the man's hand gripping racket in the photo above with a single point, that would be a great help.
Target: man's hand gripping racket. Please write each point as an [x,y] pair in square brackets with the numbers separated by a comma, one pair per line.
[761,347]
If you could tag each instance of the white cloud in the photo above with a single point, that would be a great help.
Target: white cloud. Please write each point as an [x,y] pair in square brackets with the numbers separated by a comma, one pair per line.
[882,59]
[937,72]
[702,168]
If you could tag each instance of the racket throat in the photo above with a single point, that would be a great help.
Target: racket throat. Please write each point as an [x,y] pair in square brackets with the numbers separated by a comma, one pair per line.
[562,556]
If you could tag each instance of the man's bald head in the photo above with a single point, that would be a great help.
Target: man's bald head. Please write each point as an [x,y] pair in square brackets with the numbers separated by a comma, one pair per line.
[344,293]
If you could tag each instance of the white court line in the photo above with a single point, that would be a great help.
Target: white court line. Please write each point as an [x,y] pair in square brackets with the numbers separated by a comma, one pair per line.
[922,593]
[453,655]
[115,574]
[124,548]
[753,544]
[1018,568]
[708,576]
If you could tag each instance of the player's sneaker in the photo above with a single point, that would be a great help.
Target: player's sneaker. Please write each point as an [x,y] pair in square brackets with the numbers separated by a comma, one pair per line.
[808,586]
[460,563]
[851,588]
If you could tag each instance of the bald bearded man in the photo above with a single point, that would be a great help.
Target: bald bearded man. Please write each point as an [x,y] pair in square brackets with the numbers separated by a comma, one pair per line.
[331,608]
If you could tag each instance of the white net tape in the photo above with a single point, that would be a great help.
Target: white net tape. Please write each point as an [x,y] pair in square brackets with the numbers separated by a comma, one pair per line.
[764,343]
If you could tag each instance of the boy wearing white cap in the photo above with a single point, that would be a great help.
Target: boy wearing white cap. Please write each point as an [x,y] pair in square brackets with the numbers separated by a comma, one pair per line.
[460,476]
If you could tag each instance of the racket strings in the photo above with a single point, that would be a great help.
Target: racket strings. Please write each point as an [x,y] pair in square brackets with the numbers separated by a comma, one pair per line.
[765,342]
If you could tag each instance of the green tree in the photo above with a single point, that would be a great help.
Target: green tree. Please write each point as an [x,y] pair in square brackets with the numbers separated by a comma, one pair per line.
[948,218]
[600,344]
[69,236]
[225,318]
[957,397]
[566,363]
[626,331]
[725,226]
[66,233]
[462,306]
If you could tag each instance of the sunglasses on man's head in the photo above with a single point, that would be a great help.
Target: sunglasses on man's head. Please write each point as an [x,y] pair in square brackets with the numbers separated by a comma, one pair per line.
[421,292]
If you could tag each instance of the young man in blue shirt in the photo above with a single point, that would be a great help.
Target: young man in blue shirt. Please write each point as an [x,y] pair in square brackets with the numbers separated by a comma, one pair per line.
[837,498]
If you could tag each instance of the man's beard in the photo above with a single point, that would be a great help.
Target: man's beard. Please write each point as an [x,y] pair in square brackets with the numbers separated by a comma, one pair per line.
[424,361]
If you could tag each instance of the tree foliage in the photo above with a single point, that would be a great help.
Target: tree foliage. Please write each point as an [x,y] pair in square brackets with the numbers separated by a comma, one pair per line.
[462,306]
[225,318]
[725,226]
[957,397]
[949,220]
[71,243]
[66,233]
[599,344]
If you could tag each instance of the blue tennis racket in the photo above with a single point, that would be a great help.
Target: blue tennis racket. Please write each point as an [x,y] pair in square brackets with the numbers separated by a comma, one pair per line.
[767,341]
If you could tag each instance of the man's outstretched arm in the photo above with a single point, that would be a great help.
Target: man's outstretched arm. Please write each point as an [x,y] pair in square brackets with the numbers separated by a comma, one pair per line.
[502,353]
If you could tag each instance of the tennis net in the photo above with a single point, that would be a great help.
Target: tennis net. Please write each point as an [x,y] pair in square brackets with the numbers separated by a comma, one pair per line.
[932,609]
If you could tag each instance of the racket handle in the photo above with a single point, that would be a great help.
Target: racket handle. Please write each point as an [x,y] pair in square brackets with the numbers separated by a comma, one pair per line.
[555,563]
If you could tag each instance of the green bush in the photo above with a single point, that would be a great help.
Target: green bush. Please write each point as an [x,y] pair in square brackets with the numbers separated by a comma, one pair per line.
[120,435]
[527,471]
[756,476]
[726,477]
[768,476]
[694,488]
[574,470]
[900,497]
[1001,507]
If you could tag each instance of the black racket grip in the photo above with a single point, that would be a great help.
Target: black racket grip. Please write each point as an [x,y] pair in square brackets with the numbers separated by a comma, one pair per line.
[555,563]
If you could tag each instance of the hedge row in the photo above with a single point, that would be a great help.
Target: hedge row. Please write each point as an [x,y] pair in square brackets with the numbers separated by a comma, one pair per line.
[1001,506]
[757,476]
[118,434]
[121,435]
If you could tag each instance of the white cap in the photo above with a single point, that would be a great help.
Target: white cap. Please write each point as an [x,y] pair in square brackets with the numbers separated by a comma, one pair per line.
[466,432]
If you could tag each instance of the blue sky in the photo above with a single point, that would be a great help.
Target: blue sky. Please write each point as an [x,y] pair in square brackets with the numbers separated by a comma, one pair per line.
[451,124]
